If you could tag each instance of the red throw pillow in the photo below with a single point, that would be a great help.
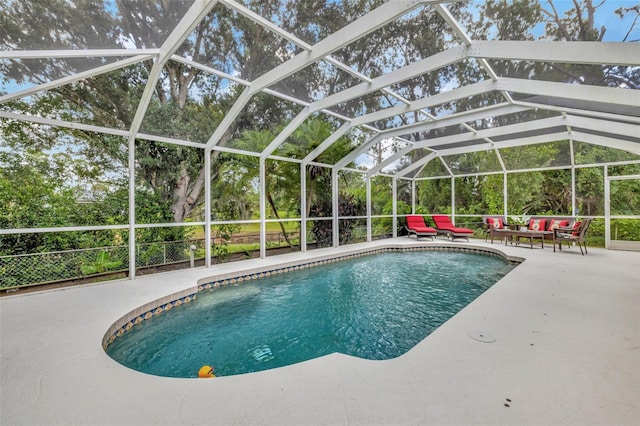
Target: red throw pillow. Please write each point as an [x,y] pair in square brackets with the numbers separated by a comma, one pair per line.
[557,223]
[537,224]
[575,227]
[495,223]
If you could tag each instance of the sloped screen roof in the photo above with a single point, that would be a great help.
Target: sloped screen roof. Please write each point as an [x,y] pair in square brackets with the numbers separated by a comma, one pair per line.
[404,78]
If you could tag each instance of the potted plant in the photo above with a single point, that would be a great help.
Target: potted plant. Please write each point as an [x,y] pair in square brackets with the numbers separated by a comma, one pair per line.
[520,221]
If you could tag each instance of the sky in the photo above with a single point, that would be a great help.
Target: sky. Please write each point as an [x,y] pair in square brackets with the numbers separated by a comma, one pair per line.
[616,27]
[605,15]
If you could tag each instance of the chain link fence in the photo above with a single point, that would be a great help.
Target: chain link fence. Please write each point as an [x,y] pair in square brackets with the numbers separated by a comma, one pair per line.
[51,267]
[168,252]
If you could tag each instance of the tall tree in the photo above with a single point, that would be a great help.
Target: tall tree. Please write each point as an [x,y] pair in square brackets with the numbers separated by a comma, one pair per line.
[188,103]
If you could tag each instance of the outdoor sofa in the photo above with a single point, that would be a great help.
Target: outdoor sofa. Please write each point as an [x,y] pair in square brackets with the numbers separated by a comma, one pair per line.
[494,223]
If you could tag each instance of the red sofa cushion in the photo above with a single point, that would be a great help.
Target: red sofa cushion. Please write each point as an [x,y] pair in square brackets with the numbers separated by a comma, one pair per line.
[576,226]
[495,222]
[537,224]
[557,223]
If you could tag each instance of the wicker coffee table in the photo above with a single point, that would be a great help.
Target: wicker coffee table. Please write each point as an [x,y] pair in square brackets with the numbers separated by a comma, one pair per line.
[509,235]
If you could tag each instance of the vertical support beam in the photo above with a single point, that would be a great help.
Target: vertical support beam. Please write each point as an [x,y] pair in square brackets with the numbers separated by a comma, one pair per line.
[303,207]
[368,190]
[573,191]
[394,204]
[187,24]
[263,209]
[335,210]
[505,193]
[413,196]
[607,208]
[132,207]
[453,199]
[573,178]
[207,208]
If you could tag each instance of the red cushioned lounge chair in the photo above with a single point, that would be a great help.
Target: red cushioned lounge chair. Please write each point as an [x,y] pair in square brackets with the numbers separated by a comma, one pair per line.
[416,225]
[446,227]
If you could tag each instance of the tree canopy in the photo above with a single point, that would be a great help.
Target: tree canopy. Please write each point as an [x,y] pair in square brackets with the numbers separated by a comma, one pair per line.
[64,176]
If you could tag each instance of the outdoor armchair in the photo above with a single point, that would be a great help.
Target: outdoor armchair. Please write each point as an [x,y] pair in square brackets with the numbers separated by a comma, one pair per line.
[493,225]
[576,234]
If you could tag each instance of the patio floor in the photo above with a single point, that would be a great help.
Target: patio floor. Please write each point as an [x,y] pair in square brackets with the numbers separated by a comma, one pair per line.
[567,352]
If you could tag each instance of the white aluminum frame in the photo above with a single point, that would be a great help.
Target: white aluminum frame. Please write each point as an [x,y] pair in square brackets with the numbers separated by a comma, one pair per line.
[607,212]
[599,127]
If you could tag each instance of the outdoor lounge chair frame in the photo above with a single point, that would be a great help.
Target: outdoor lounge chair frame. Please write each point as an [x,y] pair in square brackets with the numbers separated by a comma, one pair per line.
[419,227]
[449,229]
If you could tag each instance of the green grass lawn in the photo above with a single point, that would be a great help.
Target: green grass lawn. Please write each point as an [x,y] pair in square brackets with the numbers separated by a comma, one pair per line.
[254,228]
[197,232]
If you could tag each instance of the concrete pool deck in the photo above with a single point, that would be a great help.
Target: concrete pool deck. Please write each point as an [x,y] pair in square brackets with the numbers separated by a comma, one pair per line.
[567,351]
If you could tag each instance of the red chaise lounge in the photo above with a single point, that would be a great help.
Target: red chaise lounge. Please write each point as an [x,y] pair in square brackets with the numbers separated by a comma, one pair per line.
[416,225]
[446,227]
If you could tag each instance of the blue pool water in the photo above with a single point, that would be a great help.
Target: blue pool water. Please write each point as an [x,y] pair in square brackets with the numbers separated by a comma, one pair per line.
[374,307]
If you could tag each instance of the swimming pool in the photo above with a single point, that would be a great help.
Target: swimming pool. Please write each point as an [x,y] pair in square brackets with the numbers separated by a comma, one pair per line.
[374,307]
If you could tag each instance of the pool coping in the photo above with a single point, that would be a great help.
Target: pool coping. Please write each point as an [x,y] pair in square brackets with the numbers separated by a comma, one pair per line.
[156,307]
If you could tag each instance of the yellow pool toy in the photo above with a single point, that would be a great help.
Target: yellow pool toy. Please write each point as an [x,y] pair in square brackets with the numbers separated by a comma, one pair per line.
[206,372]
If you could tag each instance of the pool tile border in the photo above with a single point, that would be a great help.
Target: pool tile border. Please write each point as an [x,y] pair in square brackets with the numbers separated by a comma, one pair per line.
[157,307]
